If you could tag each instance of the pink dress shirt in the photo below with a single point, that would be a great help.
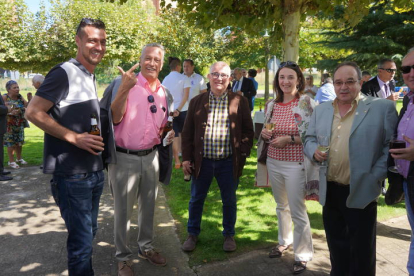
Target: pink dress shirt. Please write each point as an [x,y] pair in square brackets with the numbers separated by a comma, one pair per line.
[140,128]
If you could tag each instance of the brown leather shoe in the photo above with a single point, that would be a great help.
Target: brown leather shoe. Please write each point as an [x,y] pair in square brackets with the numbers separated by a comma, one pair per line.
[190,244]
[229,244]
[125,269]
[153,257]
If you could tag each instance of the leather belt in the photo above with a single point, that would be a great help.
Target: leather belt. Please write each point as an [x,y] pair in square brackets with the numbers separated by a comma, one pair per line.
[338,184]
[136,152]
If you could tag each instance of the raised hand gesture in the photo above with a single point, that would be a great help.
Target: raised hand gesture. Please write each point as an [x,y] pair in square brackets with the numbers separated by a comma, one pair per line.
[128,78]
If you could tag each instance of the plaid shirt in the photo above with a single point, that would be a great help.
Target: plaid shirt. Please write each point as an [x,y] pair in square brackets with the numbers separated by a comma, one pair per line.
[217,135]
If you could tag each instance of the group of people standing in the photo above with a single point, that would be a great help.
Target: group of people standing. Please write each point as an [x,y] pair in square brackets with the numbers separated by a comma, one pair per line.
[351,168]
[216,138]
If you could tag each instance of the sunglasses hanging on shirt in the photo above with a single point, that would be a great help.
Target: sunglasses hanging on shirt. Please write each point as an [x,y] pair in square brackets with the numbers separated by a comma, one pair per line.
[153,107]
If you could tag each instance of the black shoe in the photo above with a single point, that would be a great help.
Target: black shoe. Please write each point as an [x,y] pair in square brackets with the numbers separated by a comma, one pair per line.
[5,178]
[5,173]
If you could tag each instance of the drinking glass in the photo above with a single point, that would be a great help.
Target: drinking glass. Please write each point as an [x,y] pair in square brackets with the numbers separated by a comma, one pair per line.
[269,127]
[323,146]
[11,105]
[396,143]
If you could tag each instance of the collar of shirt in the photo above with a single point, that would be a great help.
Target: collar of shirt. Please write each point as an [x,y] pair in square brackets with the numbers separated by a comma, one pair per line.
[192,75]
[381,85]
[78,64]
[144,83]
[354,103]
[410,95]
[222,97]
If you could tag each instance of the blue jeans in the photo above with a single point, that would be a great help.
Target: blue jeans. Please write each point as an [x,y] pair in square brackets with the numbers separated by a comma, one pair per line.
[410,215]
[222,170]
[78,199]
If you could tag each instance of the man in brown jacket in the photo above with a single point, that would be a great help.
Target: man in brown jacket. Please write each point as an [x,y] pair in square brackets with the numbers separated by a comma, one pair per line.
[216,139]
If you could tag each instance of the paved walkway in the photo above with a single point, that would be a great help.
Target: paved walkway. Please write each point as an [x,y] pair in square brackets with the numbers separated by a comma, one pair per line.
[32,239]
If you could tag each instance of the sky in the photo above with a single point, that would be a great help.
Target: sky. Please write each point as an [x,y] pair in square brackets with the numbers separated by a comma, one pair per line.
[33,5]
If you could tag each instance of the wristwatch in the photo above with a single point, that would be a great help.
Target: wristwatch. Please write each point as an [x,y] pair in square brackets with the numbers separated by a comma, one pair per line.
[292,139]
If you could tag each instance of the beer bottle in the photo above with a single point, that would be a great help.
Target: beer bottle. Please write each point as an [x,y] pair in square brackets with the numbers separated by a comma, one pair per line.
[187,177]
[94,126]
[169,125]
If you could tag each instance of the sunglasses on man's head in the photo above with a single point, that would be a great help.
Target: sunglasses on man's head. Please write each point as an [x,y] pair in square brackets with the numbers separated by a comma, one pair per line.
[406,69]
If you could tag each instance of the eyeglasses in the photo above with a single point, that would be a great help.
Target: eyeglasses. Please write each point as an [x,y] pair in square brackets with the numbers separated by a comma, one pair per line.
[216,75]
[406,69]
[153,107]
[288,63]
[389,70]
[307,78]
[347,83]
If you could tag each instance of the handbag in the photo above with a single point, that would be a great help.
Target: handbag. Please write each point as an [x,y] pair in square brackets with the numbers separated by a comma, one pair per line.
[263,153]
[395,191]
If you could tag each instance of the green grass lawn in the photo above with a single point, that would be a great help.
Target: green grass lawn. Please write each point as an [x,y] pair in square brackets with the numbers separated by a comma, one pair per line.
[256,227]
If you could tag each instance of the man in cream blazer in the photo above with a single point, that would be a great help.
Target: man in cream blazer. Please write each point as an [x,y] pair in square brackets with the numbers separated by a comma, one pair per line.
[359,129]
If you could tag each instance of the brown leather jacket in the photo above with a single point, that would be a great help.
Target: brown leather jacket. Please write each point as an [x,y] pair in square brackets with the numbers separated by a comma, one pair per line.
[241,131]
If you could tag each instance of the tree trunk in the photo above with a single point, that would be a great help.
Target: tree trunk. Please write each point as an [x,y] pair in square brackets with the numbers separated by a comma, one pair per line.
[290,43]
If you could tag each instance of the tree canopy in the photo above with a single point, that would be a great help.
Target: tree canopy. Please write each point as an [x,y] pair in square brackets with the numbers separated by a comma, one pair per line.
[281,17]
[381,34]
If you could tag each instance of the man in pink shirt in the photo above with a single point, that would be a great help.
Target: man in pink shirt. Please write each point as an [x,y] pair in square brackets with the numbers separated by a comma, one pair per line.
[139,111]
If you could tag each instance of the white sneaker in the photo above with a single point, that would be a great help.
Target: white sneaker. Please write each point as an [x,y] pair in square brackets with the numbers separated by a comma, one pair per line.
[21,161]
[13,165]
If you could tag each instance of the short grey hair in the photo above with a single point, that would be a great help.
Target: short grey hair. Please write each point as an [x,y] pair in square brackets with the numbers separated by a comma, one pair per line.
[224,64]
[383,61]
[409,51]
[237,70]
[352,64]
[157,45]
[38,78]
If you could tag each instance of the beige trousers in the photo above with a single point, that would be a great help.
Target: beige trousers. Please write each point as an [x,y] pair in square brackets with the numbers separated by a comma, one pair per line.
[288,181]
[133,178]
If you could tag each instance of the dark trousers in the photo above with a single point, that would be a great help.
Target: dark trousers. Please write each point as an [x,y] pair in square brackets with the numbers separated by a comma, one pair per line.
[1,154]
[78,199]
[222,170]
[350,233]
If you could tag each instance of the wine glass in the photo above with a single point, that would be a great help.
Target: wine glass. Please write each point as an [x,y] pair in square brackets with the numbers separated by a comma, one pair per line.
[396,143]
[323,146]
[270,127]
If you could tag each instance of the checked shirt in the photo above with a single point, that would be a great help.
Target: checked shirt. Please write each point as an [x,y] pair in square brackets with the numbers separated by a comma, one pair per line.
[217,135]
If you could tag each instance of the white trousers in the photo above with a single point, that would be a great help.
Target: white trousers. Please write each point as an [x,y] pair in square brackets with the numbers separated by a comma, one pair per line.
[133,178]
[288,181]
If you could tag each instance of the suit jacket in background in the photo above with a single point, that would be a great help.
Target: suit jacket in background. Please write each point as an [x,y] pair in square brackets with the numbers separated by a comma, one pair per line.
[3,116]
[371,87]
[374,123]
[249,91]
[241,131]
